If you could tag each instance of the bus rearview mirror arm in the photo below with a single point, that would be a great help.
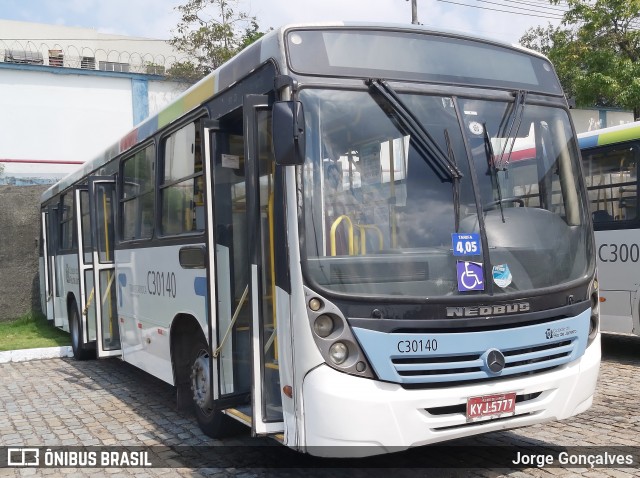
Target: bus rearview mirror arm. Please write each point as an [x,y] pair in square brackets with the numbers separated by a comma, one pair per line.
[288,133]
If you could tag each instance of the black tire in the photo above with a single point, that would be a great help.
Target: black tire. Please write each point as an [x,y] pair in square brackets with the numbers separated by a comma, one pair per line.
[212,422]
[80,351]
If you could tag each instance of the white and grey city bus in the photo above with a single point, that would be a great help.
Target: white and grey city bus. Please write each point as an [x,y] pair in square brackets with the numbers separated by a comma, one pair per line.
[332,240]
[610,162]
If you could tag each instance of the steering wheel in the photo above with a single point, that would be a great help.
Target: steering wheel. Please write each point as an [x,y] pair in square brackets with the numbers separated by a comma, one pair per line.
[492,205]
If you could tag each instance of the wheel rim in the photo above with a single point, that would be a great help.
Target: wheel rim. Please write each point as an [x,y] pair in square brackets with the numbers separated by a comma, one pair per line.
[200,381]
[75,332]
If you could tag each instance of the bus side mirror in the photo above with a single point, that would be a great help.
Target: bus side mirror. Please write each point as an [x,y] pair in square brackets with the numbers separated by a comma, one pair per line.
[288,133]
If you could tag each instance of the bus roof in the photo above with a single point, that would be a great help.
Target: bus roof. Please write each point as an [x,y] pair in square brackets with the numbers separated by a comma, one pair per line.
[611,135]
[223,77]
[269,46]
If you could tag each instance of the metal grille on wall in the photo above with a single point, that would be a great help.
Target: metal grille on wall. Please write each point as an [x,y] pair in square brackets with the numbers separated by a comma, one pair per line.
[55,55]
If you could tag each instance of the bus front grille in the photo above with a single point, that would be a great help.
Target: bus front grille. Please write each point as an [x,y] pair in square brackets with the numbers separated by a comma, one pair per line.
[472,367]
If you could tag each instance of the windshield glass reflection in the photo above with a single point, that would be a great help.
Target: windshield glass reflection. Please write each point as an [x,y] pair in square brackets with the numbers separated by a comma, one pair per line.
[378,218]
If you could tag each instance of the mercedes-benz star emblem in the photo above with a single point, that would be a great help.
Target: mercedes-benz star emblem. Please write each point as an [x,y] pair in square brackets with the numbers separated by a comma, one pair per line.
[495,361]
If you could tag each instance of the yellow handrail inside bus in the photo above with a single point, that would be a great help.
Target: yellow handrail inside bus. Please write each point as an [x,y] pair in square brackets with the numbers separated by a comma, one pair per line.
[233,321]
[334,226]
[106,245]
[273,339]
[89,300]
[363,237]
[107,292]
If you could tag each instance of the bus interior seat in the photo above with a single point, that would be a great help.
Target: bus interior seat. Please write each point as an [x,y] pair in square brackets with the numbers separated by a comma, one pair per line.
[601,216]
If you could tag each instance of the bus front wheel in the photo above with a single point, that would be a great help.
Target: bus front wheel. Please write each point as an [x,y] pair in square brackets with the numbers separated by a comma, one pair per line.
[212,422]
[80,351]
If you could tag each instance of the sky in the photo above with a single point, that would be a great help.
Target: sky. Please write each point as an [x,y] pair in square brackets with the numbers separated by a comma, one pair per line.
[157,18]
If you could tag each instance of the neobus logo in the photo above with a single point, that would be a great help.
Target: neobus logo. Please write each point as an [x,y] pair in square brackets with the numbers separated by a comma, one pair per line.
[483,310]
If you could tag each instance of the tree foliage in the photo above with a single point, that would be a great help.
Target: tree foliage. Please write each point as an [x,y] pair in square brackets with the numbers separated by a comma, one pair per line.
[596,51]
[210,32]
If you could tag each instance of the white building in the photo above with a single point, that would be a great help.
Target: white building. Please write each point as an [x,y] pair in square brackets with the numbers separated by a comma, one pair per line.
[68,93]
[596,118]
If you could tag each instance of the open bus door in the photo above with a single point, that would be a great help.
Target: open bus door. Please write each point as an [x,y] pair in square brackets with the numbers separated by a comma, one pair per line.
[244,345]
[58,305]
[48,262]
[85,265]
[266,396]
[102,207]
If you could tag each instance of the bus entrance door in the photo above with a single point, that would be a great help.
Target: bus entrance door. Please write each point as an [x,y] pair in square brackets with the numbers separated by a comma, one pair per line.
[85,266]
[245,349]
[102,206]
[260,165]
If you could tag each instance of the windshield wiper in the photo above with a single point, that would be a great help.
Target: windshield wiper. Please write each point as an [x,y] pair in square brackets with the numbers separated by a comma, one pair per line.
[511,135]
[493,170]
[443,166]
[456,182]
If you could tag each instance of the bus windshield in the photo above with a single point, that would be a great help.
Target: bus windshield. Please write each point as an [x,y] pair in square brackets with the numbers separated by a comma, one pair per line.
[379,219]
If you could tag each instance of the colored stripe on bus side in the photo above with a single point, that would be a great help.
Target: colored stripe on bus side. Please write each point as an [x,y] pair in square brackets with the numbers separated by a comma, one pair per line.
[619,136]
[147,128]
[197,96]
[588,142]
[610,137]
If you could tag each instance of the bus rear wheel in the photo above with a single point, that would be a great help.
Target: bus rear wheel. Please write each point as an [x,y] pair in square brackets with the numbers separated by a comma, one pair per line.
[212,422]
[80,351]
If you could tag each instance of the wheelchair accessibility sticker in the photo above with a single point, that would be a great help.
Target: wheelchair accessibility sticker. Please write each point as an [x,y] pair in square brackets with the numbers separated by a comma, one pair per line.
[470,276]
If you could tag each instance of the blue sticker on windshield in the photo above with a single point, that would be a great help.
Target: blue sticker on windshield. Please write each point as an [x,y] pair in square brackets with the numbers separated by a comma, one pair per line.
[466,244]
[470,276]
[502,275]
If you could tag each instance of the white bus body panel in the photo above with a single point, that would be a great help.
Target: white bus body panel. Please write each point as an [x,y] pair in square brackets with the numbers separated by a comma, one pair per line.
[615,311]
[68,281]
[378,417]
[618,256]
[148,302]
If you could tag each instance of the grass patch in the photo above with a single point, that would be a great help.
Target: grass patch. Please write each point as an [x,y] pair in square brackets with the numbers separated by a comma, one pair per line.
[31,331]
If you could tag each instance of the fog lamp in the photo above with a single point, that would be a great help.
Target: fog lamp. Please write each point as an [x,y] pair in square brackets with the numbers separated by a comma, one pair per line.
[338,352]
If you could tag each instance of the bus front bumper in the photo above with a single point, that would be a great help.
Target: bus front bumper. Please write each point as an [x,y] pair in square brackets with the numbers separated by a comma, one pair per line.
[352,416]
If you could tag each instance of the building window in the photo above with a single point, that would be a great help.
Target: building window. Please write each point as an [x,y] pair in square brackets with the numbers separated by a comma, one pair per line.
[113,66]
[182,182]
[138,194]
[56,58]
[88,63]
[23,57]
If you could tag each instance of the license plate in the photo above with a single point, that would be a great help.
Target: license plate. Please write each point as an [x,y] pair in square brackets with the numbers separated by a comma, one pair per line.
[491,406]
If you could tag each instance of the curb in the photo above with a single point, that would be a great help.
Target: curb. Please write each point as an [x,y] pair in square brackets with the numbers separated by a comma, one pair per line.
[35,354]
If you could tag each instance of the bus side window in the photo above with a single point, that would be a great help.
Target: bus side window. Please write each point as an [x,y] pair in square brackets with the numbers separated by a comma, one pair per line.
[67,235]
[182,182]
[138,194]
[611,178]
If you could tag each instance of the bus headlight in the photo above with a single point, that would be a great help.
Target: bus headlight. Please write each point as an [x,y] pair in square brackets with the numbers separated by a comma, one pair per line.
[323,325]
[338,352]
[334,337]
